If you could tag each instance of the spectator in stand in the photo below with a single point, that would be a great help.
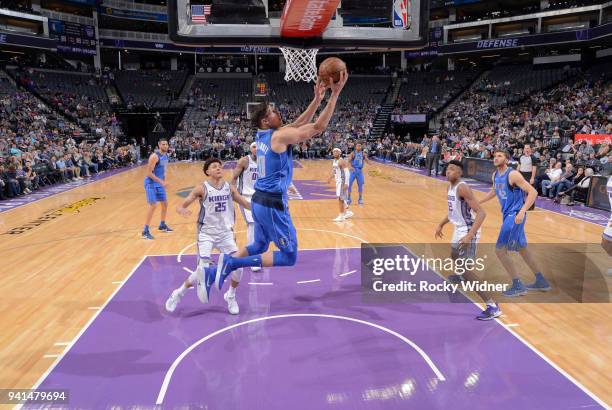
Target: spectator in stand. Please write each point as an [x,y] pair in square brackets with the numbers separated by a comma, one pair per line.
[554,177]
[581,186]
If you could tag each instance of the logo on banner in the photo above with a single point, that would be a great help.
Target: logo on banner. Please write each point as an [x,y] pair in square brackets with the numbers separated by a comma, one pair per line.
[594,138]
[400,14]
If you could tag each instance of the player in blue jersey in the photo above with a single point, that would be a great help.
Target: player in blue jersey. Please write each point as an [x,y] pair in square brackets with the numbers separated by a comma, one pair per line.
[515,196]
[356,160]
[155,187]
[269,203]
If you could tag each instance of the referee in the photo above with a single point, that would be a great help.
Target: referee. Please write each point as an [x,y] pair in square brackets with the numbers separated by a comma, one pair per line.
[527,166]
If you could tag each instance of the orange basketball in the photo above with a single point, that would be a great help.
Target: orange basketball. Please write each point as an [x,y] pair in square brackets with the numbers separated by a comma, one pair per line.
[330,69]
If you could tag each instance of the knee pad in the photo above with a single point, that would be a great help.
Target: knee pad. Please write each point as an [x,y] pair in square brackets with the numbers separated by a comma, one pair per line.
[237,275]
[284,258]
[257,248]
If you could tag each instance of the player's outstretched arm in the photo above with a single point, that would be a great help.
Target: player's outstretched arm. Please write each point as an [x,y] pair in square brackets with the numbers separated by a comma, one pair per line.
[153,159]
[515,178]
[465,192]
[439,234]
[289,135]
[240,199]
[491,194]
[241,165]
[196,193]
[306,117]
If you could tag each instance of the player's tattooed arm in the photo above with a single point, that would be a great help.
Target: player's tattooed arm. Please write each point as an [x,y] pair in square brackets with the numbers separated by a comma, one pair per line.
[241,165]
[196,193]
[240,199]
[467,194]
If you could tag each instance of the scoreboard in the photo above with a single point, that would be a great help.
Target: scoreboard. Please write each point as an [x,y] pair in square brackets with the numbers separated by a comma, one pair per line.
[73,37]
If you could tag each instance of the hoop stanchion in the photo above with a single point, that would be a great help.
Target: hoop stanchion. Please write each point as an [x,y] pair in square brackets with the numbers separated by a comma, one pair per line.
[301,63]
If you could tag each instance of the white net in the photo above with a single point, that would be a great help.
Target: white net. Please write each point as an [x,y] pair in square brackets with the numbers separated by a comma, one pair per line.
[301,63]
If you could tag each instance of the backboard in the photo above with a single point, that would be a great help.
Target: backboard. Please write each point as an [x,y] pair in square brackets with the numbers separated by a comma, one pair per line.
[355,24]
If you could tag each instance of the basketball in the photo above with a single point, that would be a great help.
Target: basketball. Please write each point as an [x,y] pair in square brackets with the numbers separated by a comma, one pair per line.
[331,68]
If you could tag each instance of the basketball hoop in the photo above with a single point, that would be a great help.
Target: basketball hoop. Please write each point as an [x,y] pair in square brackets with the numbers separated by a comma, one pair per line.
[301,63]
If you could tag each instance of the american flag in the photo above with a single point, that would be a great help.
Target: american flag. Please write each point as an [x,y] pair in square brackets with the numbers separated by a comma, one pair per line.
[200,11]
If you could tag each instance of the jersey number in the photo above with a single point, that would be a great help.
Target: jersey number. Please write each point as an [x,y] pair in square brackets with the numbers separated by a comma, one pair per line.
[450,206]
[220,207]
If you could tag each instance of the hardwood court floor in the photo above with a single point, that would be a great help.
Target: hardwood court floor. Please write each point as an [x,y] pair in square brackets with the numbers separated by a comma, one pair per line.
[84,242]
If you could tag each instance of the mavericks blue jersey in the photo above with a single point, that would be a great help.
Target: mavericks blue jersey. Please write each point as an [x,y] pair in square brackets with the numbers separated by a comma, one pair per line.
[357,161]
[160,169]
[510,198]
[274,171]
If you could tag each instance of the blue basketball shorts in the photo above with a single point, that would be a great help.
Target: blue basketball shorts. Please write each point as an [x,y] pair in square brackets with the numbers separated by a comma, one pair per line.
[155,193]
[512,236]
[356,175]
[274,225]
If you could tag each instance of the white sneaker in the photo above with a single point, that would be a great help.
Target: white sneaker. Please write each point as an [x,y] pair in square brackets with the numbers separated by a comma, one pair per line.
[232,305]
[348,214]
[173,300]
[255,268]
[339,218]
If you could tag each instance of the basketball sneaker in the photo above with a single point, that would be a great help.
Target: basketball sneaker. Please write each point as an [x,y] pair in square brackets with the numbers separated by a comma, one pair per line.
[232,305]
[348,214]
[147,235]
[255,269]
[540,284]
[205,283]
[174,300]
[223,270]
[517,289]
[339,218]
[360,202]
[490,313]
[349,201]
[165,228]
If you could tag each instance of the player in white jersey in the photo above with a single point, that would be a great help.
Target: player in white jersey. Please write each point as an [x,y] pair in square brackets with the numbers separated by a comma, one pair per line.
[606,239]
[215,230]
[341,174]
[465,213]
[245,175]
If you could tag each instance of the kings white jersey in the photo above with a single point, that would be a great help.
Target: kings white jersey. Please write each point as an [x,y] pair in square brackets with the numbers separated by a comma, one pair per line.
[459,213]
[608,232]
[339,173]
[216,210]
[246,180]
